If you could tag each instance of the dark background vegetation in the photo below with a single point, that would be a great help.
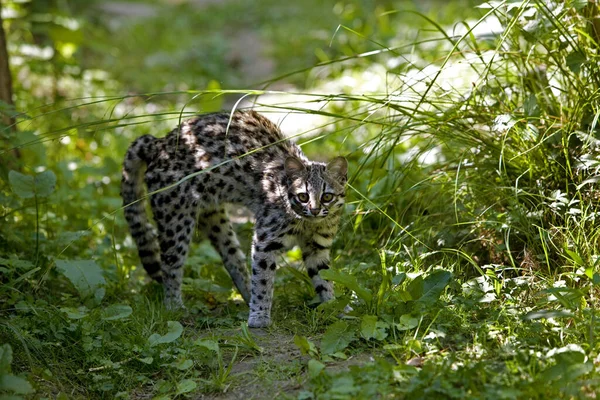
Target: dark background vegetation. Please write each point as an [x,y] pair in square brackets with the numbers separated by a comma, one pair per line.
[469,247]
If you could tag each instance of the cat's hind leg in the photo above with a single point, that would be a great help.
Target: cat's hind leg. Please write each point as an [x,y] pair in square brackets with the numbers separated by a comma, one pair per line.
[175,217]
[219,230]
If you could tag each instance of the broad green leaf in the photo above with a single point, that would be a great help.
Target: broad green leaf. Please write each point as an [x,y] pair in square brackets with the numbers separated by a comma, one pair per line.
[575,60]
[116,311]
[337,337]
[349,281]
[306,346]
[371,328]
[530,106]
[45,182]
[367,326]
[75,313]
[398,279]
[596,279]
[5,358]
[22,185]
[15,384]
[26,186]
[174,331]
[85,275]
[186,386]
[183,364]
[146,360]
[415,288]
[569,354]
[407,322]
[16,263]
[433,286]
[539,314]
[314,368]
[207,343]
[343,385]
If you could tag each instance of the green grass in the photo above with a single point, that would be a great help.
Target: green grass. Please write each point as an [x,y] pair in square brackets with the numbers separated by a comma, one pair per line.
[468,251]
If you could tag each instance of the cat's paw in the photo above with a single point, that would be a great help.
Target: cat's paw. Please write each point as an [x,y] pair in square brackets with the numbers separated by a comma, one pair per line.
[259,320]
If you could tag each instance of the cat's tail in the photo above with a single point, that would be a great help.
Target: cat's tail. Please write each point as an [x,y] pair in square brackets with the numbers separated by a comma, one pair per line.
[133,191]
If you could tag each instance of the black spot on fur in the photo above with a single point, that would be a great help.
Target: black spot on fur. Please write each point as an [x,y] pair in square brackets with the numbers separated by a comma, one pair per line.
[322,266]
[273,246]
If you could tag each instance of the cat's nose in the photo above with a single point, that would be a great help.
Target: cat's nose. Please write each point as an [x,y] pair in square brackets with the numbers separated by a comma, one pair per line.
[315,211]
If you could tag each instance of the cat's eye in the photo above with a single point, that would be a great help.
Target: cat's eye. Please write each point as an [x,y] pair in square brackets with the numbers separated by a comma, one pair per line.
[303,197]
[326,197]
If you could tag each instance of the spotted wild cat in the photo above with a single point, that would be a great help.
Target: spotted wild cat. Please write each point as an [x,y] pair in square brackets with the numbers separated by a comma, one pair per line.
[240,158]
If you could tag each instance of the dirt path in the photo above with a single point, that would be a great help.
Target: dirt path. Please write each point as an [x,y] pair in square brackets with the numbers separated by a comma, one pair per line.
[277,371]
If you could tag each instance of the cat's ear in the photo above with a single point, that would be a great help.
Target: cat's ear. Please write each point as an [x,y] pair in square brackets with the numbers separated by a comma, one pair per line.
[338,167]
[293,166]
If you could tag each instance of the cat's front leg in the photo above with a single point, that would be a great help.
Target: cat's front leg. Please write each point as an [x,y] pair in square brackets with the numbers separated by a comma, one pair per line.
[263,277]
[315,253]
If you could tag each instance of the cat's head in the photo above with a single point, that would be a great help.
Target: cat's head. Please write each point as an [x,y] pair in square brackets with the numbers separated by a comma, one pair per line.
[315,189]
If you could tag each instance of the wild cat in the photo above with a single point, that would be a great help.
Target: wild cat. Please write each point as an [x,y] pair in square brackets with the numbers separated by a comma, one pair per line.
[240,158]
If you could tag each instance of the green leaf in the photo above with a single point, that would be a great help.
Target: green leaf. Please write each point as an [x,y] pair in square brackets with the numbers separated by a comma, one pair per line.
[174,331]
[5,358]
[186,386]
[596,279]
[407,322]
[183,364]
[314,368]
[530,106]
[415,288]
[85,275]
[348,281]
[398,279]
[26,186]
[576,258]
[575,60]
[15,384]
[22,185]
[433,286]
[45,183]
[146,360]
[306,346]
[337,337]
[539,314]
[16,263]
[116,311]
[75,313]
[343,385]
[206,343]
[371,328]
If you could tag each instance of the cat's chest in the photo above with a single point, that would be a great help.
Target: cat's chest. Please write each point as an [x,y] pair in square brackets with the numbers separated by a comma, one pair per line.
[318,237]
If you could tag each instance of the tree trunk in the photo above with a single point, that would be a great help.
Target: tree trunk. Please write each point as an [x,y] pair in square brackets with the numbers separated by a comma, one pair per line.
[5,77]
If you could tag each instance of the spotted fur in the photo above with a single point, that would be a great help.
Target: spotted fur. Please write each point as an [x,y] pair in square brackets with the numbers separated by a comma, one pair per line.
[242,159]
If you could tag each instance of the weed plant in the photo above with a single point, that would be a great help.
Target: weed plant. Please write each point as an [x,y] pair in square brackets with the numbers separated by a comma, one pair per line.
[468,251]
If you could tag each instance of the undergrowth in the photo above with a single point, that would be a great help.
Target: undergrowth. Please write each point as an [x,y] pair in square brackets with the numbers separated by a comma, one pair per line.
[468,251]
